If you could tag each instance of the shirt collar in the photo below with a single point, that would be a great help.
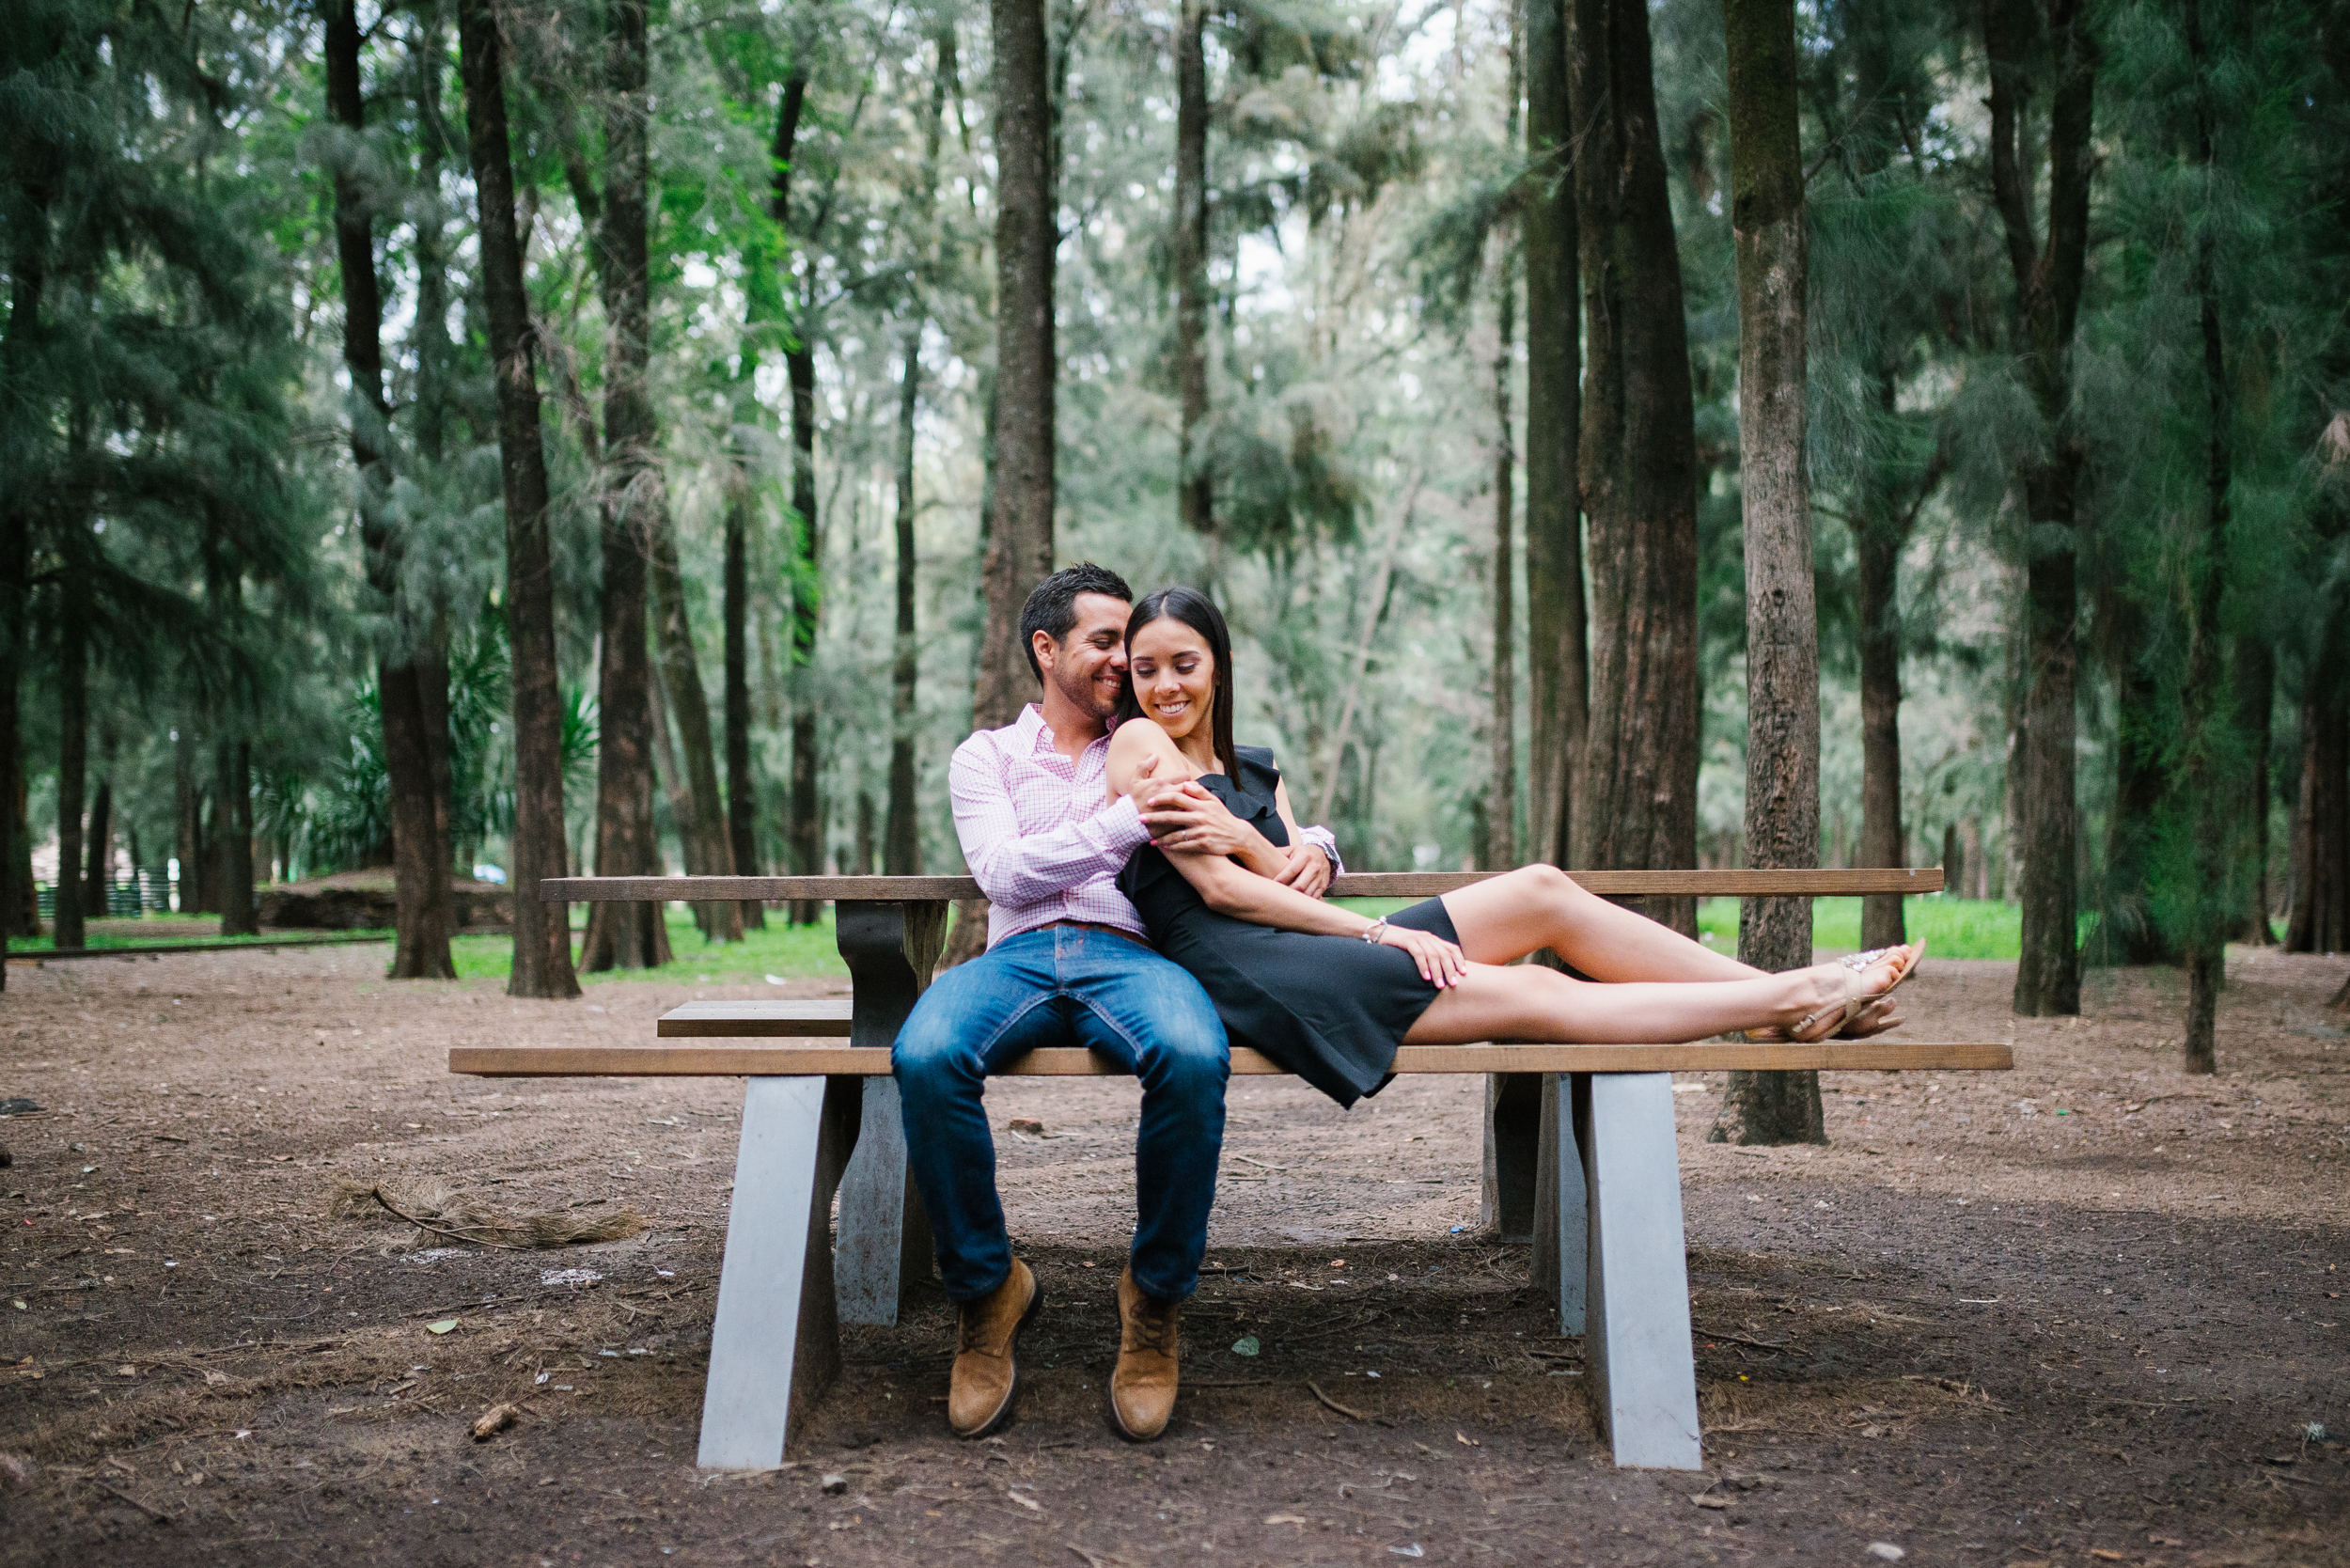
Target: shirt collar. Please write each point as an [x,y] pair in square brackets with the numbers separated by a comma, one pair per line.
[1039,738]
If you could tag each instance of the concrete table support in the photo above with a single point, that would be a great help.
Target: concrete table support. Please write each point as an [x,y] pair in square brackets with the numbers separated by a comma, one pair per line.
[776,1344]
[884,1241]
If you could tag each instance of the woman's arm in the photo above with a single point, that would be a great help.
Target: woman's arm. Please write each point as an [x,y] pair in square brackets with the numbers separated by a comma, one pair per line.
[1243,895]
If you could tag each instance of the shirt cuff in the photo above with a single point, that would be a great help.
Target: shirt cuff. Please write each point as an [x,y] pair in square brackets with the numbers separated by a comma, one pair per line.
[1328,842]
[1123,827]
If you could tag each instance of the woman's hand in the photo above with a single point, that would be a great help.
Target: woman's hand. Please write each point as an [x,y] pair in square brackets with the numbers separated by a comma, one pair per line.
[1185,818]
[1441,962]
[1308,871]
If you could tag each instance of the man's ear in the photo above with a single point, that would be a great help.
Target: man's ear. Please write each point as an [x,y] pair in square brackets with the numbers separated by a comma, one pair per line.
[1045,649]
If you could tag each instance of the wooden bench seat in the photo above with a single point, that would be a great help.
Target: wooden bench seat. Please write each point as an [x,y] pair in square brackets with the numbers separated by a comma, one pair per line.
[1593,1171]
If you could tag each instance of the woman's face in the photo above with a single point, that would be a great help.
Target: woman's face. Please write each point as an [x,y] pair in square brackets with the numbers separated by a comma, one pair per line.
[1174,675]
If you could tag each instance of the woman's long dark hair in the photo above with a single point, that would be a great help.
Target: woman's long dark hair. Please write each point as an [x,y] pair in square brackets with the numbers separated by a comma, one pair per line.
[1196,610]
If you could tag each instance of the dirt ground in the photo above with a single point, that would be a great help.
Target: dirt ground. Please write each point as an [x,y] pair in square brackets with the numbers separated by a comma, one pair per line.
[2087,1311]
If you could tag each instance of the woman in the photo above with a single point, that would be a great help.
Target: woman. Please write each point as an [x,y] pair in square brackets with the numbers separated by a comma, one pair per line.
[1329,993]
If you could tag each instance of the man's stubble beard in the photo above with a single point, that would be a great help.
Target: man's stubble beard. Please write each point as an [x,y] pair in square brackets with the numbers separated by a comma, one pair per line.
[1087,696]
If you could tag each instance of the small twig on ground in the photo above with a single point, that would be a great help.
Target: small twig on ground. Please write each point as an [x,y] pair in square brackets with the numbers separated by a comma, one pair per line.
[453,1235]
[1344,1410]
[1737,1339]
[148,1509]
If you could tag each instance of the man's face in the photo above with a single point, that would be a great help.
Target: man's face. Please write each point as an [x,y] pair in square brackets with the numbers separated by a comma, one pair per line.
[1089,668]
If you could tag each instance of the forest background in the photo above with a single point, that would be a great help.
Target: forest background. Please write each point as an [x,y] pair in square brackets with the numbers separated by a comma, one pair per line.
[1954,395]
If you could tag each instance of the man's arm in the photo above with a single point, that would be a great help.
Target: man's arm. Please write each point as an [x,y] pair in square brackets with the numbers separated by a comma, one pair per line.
[1013,868]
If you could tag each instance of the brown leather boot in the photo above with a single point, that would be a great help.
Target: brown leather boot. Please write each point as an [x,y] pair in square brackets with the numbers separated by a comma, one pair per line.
[986,1374]
[1142,1388]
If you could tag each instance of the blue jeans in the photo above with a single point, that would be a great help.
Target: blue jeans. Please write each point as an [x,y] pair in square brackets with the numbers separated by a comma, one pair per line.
[1064,986]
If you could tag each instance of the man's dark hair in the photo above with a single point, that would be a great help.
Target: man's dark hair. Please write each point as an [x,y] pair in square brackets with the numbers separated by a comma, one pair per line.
[1052,606]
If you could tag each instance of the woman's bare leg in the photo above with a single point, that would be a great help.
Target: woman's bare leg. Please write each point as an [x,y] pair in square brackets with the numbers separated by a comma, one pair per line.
[1505,918]
[1529,1002]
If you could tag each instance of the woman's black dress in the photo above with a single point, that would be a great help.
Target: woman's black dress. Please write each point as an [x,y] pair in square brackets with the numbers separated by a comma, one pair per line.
[1330,1009]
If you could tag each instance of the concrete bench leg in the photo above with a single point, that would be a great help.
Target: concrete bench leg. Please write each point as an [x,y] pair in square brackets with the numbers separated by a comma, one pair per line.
[776,1345]
[884,1235]
[1642,1366]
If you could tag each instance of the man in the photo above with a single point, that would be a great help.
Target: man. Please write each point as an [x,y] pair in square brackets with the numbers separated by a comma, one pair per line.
[1068,963]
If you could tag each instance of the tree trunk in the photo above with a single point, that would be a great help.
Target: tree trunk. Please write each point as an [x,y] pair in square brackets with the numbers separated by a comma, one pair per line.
[742,788]
[233,821]
[1636,790]
[1883,835]
[624,936]
[1782,810]
[2047,298]
[1501,804]
[805,830]
[187,819]
[422,910]
[902,842]
[682,674]
[99,881]
[1557,635]
[435,403]
[2126,931]
[1020,534]
[804,814]
[1557,686]
[2211,796]
[1195,489]
[72,757]
[2320,921]
[543,945]
[2255,665]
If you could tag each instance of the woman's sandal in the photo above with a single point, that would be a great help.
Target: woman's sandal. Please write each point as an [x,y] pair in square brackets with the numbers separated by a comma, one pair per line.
[1859,963]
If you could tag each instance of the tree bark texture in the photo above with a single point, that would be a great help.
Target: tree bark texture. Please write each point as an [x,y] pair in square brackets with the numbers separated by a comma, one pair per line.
[543,942]
[73,759]
[1020,534]
[1634,803]
[2048,280]
[423,912]
[1782,810]
[742,784]
[1195,488]
[1557,635]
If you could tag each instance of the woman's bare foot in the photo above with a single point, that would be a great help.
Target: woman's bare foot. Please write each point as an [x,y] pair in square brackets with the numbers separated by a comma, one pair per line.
[1854,984]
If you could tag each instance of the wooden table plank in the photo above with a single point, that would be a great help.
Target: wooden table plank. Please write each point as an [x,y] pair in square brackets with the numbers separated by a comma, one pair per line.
[779,1060]
[1360,884]
[821,1018]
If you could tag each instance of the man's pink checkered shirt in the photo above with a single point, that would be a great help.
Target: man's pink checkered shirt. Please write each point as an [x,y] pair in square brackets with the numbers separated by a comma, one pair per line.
[1037,837]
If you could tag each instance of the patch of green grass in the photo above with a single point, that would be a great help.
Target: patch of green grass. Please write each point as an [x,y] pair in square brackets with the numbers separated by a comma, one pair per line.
[1951,927]
[791,952]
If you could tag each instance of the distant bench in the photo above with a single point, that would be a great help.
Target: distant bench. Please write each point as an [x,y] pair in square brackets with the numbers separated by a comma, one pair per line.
[1579,1138]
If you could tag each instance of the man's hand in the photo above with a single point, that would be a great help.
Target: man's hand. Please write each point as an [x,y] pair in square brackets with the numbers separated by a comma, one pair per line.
[1308,871]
